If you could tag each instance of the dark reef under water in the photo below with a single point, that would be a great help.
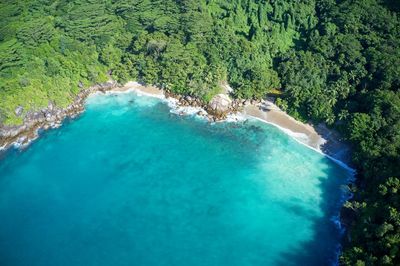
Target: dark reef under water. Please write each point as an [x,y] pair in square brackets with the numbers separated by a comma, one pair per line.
[129,183]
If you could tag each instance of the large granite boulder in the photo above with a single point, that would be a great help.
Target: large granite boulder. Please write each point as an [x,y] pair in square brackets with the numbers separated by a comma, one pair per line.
[19,110]
[220,104]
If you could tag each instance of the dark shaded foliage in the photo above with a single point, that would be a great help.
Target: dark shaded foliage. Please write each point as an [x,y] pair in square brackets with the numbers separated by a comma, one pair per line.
[329,61]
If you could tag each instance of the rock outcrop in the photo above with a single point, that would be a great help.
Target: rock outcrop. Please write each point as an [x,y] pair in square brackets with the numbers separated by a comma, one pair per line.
[52,116]
[49,117]
[219,105]
[19,110]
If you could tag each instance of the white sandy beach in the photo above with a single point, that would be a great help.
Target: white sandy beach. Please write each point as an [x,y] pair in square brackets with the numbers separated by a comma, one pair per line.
[267,112]
[270,113]
[133,85]
[318,137]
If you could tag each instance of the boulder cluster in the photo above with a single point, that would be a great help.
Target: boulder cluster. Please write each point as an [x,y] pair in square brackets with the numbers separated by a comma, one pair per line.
[217,108]
[49,117]
[52,116]
[219,105]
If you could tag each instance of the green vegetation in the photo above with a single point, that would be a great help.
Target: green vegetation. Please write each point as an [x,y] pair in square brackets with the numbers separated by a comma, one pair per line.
[333,61]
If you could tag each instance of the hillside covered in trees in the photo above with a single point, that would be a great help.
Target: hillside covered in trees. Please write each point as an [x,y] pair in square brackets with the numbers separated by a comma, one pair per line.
[332,61]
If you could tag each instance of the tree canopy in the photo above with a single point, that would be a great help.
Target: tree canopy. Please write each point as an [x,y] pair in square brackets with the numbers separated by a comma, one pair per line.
[331,61]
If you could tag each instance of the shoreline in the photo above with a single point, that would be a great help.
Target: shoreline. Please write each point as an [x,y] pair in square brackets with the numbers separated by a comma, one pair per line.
[304,134]
[318,138]
[315,138]
[271,114]
[312,137]
[21,136]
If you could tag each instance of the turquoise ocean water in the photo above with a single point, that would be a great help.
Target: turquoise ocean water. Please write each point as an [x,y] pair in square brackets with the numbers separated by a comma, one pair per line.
[129,183]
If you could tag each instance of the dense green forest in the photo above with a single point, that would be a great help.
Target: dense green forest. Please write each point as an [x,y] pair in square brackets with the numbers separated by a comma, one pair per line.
[332,61]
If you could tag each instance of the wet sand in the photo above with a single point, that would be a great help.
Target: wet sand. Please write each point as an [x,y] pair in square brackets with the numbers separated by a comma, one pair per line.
[270,113]
[133,85]
[319,137]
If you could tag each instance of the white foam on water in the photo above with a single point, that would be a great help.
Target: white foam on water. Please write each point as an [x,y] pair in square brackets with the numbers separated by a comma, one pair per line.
[137,92]
[172,102]
[186,110]
[304,140]
[17,145]
[3,147]
[231,118]
[300,137]
[143,99]
[346,195]
[175,108]
[236,117]
[342,164]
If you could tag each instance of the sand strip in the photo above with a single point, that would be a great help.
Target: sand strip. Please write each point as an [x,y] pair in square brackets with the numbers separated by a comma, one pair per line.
[270,113]
[318,138]
[136,86]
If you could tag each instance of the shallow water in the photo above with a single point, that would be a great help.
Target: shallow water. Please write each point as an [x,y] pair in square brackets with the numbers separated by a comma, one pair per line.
[129,183]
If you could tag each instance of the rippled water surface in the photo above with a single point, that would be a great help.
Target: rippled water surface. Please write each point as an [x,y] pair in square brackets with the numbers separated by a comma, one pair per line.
[129,183]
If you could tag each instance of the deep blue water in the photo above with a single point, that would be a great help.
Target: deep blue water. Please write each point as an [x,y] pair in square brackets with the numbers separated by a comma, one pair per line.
[129,183]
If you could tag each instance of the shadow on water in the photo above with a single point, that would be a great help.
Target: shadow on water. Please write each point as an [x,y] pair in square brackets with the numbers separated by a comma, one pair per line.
[316,251]
[324,246]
